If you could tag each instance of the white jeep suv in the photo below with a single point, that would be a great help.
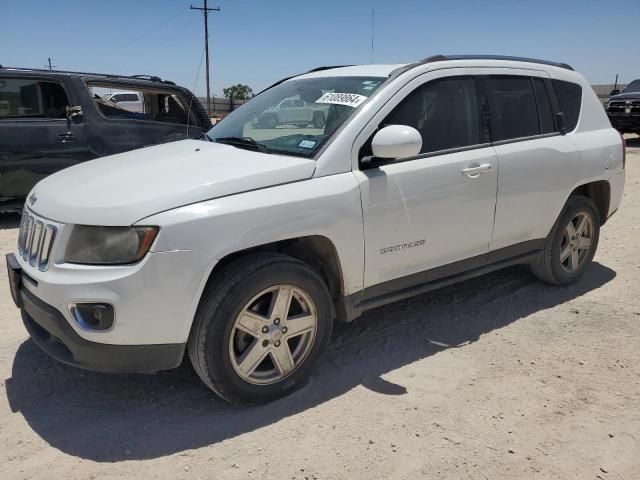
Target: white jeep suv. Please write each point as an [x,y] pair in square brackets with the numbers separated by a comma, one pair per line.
[243,247]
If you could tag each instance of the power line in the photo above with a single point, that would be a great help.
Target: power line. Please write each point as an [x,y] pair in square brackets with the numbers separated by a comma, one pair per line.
[205,12]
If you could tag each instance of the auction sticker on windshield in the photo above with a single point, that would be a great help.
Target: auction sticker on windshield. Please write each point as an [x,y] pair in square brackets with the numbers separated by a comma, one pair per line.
[349,99]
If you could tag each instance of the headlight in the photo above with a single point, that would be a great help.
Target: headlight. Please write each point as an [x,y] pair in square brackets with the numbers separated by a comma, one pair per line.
[108,245]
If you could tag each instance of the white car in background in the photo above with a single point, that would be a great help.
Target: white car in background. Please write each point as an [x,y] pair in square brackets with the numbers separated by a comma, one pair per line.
[129,100]
[242,251]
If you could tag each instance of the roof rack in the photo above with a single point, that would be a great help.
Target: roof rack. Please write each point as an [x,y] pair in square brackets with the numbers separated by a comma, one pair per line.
[150,78]
[442,58]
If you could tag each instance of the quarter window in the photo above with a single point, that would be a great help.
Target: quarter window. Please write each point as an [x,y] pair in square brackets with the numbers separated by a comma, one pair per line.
[445,112]
[569,98]
[513,108]
[32,98]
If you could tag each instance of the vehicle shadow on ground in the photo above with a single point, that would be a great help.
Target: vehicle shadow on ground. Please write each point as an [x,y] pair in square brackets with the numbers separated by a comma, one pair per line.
[108,418]
[9,220]
[632,142]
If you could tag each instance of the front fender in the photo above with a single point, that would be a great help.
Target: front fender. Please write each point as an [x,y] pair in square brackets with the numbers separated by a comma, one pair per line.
[327,206]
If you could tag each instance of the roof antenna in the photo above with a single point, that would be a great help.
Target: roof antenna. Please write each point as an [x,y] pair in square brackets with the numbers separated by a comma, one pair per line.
[373,13]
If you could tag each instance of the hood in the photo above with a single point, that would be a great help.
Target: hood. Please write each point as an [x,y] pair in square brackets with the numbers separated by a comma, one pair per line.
[626,96]
[122,189]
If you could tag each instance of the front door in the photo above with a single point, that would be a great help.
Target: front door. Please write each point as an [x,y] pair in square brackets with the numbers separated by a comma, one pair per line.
[438,208]
[36,139]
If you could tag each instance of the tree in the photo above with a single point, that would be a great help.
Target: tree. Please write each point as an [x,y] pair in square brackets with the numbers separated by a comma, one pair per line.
[238,92]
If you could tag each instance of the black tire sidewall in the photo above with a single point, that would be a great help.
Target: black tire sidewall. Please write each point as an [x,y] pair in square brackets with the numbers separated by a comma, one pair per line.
[219,328]
[576,206]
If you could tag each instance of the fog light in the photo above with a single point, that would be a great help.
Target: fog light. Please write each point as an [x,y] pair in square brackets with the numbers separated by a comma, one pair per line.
[93,316]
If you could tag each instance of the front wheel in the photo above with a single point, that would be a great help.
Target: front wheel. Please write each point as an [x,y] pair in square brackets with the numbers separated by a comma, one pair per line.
[571,245]
[260,327]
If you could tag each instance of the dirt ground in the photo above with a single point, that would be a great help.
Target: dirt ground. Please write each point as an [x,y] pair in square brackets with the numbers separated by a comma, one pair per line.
[498,377]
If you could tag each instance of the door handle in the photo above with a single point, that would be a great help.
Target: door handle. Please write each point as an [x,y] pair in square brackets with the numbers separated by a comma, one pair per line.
[66,137]
[474,170]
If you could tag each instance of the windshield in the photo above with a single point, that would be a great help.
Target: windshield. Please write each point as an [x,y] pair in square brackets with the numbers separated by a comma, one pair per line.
[296,117]
[632,87]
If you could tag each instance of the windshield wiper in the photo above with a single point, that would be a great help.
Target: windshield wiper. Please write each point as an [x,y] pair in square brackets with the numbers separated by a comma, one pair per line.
[243,142]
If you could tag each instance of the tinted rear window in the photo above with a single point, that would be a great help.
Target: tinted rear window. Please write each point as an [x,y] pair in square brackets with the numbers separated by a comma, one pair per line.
[569,97]
[513,108]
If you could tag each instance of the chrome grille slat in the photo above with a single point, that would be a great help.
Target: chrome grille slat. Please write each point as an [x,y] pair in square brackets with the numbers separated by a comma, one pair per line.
[35,240]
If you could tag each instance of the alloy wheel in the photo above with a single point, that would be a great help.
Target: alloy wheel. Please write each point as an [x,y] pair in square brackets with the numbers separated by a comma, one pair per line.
[576,242]
[273,334]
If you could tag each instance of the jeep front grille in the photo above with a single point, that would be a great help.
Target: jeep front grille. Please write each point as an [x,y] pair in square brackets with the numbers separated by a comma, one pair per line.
[35,240]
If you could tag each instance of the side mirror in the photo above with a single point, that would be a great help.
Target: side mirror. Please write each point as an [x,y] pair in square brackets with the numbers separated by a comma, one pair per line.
[395,141]
[615,91]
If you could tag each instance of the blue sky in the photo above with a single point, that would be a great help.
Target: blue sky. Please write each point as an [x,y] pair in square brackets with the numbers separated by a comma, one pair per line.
[258,41]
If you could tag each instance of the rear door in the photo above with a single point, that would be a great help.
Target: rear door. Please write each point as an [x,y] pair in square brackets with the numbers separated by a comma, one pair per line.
[36,138]
[164,119]
[535,160]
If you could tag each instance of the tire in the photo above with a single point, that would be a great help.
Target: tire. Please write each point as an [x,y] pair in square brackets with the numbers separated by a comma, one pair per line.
[319,120]
[270,121]
[218,342]
[553,265]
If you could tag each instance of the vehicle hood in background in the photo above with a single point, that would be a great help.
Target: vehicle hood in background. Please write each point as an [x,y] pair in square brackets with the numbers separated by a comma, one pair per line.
[626,96]
[122,189]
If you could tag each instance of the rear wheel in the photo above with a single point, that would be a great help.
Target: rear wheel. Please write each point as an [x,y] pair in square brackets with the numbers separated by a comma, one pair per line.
[260,327]
[571,245]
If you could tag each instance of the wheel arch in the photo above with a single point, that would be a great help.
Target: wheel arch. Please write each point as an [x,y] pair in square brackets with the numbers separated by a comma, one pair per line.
[317,251]
[600,193]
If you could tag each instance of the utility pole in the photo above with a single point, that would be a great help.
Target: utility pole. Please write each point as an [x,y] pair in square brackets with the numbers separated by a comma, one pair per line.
[206,11]
[51,67]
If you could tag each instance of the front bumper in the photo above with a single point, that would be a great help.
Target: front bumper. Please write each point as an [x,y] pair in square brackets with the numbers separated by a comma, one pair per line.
[52,333]
[625,122]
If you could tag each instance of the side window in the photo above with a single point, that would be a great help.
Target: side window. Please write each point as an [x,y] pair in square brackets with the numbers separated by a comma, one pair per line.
[286,104]
[445,112]
[513,108]
[144,104]
[298,103]
[569,97]
[545,112]
[32,98]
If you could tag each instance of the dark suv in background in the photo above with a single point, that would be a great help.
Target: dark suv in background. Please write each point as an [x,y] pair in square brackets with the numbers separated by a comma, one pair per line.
[50,120]
[623,108]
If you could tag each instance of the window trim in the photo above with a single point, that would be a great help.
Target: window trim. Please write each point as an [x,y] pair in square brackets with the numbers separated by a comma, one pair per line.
[435,153]
[37,78]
